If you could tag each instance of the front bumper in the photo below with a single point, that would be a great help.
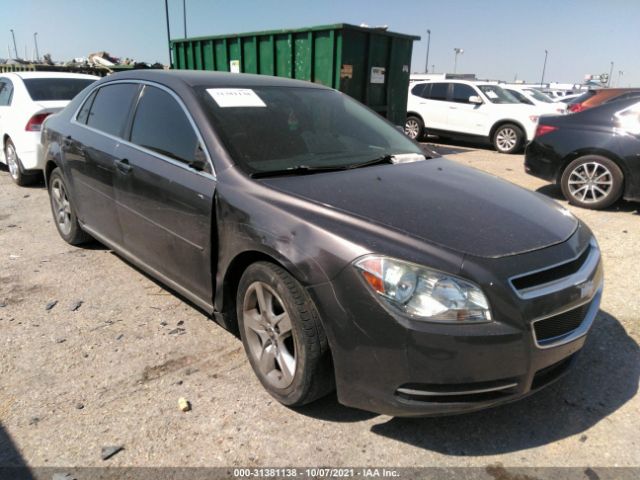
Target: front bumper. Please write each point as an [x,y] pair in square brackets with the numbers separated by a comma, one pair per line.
[393,365]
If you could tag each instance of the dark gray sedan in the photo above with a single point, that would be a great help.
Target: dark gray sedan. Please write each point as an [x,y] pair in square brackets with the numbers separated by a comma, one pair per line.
[343,257]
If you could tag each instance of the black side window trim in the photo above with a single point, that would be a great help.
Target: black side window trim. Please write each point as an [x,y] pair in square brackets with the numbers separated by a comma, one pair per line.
[210,172]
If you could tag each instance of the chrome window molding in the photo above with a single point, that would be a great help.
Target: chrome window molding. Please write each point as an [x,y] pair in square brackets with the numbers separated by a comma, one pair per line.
[160,156]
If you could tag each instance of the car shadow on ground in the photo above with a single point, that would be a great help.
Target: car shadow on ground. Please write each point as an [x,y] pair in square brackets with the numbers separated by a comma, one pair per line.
[604,378]
[12,465]
[449,146]
[553,191]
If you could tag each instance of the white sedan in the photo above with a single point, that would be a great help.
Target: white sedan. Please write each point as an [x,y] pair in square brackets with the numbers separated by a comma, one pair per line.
[531,96]
[26,99]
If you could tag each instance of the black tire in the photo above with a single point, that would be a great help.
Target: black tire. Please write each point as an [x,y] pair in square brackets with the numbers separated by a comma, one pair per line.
[414,128]
[313,371]
[603,189]
[508,138]
[71,232]
[16,171]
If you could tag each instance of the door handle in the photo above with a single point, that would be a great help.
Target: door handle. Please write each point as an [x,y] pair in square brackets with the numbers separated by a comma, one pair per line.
[453,108]
[123,165]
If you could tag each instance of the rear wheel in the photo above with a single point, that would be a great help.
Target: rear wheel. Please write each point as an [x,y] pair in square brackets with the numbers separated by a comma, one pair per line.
[15,167]
[414,128]
[592,181]
[282,335]
[508,138]
[64,213]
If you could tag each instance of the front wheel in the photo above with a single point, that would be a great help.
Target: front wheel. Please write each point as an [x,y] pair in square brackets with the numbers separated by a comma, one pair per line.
[508,138]
[592,182]
[414,128]
[282,335]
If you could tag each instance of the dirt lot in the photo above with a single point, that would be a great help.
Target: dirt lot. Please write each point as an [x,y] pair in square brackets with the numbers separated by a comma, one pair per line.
[111,372]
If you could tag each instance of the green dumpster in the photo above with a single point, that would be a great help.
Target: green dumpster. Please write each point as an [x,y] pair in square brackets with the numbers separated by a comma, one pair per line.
[370,64]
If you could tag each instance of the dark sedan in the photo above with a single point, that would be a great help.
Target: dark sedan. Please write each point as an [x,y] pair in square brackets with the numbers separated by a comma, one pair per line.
[313,227]
[594,155]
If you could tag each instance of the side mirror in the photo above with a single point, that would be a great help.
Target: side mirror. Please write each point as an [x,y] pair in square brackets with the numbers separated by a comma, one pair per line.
[475,99]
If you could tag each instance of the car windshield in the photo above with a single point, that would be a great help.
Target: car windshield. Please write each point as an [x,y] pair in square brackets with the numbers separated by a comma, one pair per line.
[47,89]
[536,95]
[270,129]
[497,94]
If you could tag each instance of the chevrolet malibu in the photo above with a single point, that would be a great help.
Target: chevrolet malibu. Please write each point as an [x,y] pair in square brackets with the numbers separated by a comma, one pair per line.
[315,229]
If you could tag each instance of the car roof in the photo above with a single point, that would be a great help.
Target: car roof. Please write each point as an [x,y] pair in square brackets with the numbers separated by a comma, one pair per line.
[210,79]
[28,75]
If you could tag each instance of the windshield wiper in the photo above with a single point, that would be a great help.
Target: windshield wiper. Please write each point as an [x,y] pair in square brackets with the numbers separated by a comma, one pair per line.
[297,170]
[309,169]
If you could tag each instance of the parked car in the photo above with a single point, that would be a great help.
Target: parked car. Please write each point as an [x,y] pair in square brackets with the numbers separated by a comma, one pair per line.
[26,99]
[311,225]
[593,98]
[592,155]
[568,99]
[531,96]
[470,110]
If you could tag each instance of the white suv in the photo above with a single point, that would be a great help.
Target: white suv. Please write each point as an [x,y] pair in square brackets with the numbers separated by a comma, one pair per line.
[458,108]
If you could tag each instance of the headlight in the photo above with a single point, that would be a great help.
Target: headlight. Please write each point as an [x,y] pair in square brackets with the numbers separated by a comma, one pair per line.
[423,293]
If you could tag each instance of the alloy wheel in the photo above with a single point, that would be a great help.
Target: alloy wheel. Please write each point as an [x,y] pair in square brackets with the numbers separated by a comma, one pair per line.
[12,160]
[267,327]
[590,182]
[61,206]
[412,129]
[506,139]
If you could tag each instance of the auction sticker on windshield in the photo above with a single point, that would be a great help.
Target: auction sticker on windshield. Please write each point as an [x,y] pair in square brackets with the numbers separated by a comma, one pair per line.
[235,97]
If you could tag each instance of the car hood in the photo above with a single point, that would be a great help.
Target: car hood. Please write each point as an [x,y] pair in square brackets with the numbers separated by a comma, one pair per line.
[440,202]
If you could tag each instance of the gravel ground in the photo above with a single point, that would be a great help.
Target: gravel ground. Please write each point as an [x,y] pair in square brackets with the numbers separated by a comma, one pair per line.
[106,365]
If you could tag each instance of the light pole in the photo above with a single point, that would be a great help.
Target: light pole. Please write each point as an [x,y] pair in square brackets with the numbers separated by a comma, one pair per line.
[184,16]
[166,13]
[426,63]
[35,41]
[610,73]
[455,59]
[15,48]
[544,67]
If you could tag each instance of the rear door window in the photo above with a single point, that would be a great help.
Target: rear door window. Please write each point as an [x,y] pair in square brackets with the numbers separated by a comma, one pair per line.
[417,90]
[161,125]
[111,107]
[439,91]
[426,92]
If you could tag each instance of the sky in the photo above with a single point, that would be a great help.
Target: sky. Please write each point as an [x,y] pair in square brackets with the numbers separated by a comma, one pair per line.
[501,39]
